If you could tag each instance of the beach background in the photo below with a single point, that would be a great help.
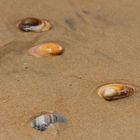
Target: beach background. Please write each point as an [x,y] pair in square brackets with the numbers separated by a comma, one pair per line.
[102,45]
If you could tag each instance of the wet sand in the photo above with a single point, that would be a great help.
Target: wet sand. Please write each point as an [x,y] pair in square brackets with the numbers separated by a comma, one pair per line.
[101,41]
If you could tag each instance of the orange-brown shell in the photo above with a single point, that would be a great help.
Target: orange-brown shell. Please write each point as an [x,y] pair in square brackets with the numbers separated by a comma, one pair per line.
[115,91]
[46,49]
[33,24]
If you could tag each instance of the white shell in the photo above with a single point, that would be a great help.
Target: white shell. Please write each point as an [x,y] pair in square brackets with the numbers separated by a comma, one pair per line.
[45,121]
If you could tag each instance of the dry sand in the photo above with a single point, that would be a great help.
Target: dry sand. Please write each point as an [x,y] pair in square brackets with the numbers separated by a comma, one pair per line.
[102,45]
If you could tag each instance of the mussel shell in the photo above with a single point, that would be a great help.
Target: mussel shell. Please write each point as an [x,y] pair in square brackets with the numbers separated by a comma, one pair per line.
[115,91]
[33,24]
[46,49]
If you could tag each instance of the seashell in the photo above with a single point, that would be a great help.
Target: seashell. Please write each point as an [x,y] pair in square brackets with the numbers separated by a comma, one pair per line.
[45,121]
[46,49]
[33,24]
[115,91]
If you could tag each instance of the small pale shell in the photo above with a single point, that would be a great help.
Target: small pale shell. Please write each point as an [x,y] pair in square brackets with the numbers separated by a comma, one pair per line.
[115,91]
[31,24]
[46,49]
[45,121]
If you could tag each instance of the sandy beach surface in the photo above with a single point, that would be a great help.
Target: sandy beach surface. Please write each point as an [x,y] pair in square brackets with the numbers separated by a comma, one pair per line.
[102,45]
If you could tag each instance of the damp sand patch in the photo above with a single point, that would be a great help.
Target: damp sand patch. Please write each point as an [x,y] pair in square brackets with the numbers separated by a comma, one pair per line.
[5,35]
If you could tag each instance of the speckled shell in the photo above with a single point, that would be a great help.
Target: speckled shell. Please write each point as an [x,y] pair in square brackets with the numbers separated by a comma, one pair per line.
[115,91]
[31,24]
[43,122]
[46,49]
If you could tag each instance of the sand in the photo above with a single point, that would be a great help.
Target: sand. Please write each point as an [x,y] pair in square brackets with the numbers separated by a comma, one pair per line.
[101,41]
